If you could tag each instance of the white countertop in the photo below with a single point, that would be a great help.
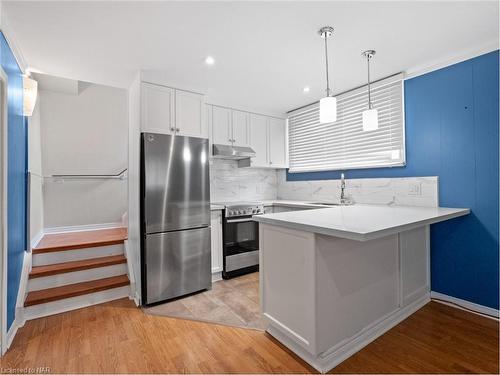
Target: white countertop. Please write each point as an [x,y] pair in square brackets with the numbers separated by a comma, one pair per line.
[215,207]
[361,222]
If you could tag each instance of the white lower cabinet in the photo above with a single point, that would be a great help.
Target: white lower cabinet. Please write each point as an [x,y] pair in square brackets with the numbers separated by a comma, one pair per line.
[216,235]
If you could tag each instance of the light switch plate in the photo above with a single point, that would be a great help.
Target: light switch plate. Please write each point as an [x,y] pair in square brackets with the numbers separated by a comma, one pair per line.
[415,188]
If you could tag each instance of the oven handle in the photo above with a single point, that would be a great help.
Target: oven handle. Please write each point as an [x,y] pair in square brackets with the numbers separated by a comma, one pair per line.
[229,221]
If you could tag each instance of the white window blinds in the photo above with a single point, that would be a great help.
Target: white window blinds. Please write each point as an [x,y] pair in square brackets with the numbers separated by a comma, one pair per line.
[343,144]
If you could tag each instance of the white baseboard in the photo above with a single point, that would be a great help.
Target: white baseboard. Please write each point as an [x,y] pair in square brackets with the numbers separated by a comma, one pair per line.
[35,240]
[216,276]
[11,333]
[137,299]
[19,319]
[330,358]
[466,305]
[82,228]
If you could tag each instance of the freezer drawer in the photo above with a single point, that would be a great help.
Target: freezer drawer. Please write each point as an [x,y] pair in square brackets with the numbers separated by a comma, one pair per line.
[175,180]
[177,263]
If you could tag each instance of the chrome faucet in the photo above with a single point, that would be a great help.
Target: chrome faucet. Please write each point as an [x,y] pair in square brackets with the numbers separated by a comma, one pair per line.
[343,199]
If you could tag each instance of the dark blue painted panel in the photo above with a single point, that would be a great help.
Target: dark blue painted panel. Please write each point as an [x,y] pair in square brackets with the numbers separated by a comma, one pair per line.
[452,132]
[16,176]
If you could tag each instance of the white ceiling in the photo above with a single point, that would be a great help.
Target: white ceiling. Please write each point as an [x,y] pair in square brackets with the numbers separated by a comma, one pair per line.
[265,52]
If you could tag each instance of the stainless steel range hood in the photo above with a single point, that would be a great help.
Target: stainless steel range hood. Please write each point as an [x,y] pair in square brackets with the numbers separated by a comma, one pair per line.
[232,152]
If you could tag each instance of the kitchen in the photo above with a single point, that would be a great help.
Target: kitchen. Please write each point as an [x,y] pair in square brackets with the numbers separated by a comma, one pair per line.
[316,193]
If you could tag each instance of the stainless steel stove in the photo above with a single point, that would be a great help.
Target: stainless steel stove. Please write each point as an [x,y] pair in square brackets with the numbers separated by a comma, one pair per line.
[241,238]
[244,209]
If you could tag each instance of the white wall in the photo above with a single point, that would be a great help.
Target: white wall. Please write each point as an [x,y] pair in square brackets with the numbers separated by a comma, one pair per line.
[134,244]
[35,167]
[84,133]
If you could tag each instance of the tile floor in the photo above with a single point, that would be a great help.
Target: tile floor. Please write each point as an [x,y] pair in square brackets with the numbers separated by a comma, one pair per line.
[233,302]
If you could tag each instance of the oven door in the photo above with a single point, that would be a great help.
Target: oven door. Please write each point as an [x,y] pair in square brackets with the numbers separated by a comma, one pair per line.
[241,235]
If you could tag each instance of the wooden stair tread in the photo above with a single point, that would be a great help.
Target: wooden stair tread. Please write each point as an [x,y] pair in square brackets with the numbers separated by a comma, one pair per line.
[72,290]
[79,265]
[79,240]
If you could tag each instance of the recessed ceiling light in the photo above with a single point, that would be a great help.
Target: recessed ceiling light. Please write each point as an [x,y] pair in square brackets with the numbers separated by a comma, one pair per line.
[209,60]
[306,89]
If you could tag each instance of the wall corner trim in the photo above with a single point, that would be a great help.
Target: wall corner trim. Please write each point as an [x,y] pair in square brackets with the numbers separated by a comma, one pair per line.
[470,306]
[19,319]
[9,35]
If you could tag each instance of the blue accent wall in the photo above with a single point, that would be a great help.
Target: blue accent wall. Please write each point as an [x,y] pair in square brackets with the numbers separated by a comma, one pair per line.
[452,121]
[16,176]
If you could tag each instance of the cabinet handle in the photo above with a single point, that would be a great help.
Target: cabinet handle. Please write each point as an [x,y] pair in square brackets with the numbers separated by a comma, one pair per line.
[178,130]
[270,162]
[172,129]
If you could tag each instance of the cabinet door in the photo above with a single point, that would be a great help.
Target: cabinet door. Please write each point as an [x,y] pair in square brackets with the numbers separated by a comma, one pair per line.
[157,109]
[221,126]
[258,140]
[277,143]
[216,235]
[190,114]
[240,121]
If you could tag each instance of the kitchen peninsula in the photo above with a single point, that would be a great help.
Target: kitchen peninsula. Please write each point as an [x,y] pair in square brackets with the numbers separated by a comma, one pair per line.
[334,279]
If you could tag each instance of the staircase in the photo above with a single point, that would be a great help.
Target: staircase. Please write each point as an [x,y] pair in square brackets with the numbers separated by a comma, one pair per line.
[76,269]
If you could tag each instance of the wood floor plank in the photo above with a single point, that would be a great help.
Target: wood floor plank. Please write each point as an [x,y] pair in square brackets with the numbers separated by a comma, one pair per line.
[72,290]
[79,240]
[117,337]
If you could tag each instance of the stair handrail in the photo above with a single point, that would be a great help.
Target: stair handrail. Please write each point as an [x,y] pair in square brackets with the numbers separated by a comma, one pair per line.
[119,176]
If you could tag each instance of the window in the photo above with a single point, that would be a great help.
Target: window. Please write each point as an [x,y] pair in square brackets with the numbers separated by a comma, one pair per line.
[343,144]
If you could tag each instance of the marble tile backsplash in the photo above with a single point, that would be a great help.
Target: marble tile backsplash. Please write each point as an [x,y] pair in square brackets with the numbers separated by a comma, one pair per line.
[228,183]
[405,191]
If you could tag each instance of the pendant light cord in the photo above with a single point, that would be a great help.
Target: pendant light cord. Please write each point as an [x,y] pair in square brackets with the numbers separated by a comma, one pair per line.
[326,60]
[368,57]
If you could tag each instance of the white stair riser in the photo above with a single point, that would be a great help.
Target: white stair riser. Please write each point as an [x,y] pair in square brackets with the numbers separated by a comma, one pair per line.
[76,277]
[73,303]
[78,254]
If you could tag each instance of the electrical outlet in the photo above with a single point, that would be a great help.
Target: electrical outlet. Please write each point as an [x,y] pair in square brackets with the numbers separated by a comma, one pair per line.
[415,188]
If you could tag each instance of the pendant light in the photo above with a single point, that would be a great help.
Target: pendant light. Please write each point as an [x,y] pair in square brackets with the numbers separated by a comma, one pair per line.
[327,105]
[370,116]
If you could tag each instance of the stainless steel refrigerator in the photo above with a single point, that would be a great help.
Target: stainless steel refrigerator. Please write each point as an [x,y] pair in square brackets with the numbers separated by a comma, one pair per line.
[175,210]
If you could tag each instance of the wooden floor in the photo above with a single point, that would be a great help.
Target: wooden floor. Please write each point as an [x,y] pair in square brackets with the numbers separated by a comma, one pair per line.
[116,337]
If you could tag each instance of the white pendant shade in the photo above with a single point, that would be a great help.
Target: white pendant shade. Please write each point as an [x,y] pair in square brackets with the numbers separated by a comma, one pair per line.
[370,119]
[328,110]
[30,90]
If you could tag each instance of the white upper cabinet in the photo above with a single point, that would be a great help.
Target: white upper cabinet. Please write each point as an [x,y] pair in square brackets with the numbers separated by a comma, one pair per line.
[170,111]
[157,109]
[240,134]
[267,136]
[190,114]
[221,126]
[258,140]
[278,143]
